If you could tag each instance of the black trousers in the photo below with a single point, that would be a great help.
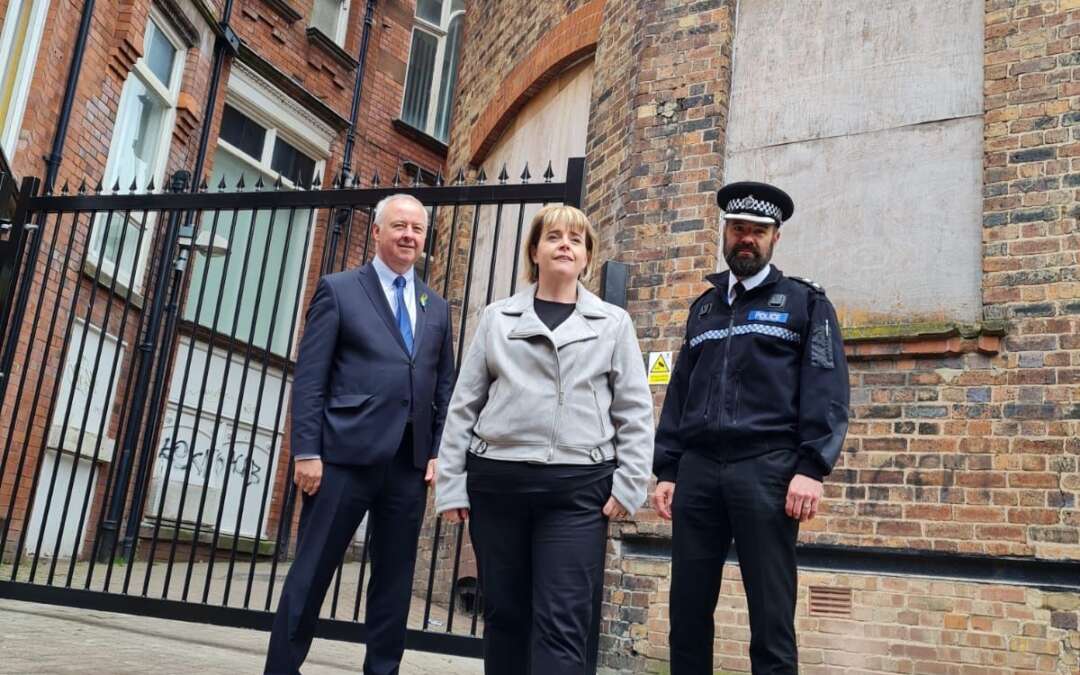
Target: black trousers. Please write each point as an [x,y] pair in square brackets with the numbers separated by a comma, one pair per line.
[714,503]
[394,493]
[540,556]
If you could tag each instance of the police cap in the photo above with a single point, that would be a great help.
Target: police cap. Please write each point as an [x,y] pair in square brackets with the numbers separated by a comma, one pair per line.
[756,202]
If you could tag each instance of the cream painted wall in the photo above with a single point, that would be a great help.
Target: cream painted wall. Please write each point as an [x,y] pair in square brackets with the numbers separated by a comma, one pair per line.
[552,126]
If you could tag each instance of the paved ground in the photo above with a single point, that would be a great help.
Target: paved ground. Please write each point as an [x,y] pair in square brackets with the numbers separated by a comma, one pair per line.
[38,638]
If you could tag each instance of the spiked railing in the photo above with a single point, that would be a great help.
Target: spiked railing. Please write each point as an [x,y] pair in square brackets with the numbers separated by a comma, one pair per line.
[170,354]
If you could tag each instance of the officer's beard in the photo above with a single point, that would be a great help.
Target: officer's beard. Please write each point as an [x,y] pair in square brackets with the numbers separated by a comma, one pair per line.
[746,266]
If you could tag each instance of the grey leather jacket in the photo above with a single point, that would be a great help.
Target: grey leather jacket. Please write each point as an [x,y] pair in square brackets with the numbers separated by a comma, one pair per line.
[575,395]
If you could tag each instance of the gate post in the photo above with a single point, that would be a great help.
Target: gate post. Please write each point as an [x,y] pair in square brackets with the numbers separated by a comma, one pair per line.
[11,258]
[148,349]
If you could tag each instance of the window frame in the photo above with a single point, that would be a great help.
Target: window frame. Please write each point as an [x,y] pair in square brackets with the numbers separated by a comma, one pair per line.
[170,95]
[341,26]
[440,33]
[282,117]
[24,73]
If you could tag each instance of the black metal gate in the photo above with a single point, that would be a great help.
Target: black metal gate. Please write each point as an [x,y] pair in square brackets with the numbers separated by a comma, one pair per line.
[146,347]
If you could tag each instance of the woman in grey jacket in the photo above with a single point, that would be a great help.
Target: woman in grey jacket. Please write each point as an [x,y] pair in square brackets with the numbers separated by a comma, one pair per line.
[549,434]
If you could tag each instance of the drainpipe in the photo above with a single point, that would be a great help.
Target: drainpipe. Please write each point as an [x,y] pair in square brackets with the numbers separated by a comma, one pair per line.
[177,235]
[52,162]
[342,216]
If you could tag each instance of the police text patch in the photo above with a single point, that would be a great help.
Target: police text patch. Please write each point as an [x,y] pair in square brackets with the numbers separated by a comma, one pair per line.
[771,317]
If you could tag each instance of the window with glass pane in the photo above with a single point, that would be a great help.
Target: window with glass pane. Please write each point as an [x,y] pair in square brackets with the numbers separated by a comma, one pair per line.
[160,54]
[292,164]
[325,15]
[418,81]
[430,10]
[449,78]
[21,28]
[137,144]
[433,61]
[269,240]
[242,132]
[19,14]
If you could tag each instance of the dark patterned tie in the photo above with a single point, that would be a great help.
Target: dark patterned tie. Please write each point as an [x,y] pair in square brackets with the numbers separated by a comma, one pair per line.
[737,290]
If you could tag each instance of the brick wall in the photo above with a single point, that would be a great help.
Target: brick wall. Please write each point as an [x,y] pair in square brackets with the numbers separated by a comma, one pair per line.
[963,438]
[888,624]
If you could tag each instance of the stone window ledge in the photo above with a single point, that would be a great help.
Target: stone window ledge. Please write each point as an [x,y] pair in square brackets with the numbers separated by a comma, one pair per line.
[925,339]
[284,9]
[328,46]
[421,137]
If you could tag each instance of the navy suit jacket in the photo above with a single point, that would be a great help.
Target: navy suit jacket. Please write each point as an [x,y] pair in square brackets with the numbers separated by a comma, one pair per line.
[356,385]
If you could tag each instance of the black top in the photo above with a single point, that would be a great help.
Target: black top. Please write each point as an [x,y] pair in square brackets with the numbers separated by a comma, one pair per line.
[498,475]
[553,313]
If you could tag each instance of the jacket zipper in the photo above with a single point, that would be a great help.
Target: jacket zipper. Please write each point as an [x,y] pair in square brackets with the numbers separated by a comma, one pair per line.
[599,413]
[558,405]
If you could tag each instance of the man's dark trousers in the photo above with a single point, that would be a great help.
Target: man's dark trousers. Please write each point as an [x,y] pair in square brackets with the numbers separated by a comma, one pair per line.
[714,502]
[394,494]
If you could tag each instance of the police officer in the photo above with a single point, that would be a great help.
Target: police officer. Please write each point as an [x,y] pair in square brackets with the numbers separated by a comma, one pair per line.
[755,416]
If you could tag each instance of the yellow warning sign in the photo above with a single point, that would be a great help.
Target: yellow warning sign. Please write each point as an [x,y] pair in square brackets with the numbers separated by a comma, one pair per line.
[659,367]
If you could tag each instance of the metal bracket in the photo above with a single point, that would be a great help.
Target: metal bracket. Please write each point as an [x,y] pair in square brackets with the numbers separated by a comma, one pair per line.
[230,39]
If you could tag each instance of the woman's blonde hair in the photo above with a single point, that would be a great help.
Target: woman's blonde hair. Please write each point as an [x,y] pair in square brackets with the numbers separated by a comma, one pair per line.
[569,217]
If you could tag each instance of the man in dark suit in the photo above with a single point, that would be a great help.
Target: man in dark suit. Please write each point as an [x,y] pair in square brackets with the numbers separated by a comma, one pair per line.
[373,380]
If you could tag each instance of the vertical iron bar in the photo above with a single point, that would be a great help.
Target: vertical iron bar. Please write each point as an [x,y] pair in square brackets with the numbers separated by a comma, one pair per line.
[450,251]
[297,299]
[186,482]
[62,283]
[173,438]
[517,247]
[258,405]
[363,571]
[454,576]
[103,425]
[21,225]
[494,254]
[367,233]
[221,398]
[281,543]
[87,324]
[431,571]
[337,590]
[157,392]
[231,456]
[145,364]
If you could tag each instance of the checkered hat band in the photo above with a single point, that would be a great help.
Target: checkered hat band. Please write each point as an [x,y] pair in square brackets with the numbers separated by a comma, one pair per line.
[746,329]
[751,203]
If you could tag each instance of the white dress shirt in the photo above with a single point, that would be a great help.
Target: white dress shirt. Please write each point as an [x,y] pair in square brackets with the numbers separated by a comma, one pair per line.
[748,283]
[386,280]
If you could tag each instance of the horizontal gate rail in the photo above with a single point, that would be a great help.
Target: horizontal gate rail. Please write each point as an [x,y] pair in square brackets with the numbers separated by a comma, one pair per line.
[314,198]
[176,610]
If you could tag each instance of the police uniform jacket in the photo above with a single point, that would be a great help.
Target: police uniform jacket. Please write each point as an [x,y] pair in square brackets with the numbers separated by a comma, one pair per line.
[767,373]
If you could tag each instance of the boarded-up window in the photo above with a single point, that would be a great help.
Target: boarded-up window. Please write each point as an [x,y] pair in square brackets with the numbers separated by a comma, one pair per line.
[870,115]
